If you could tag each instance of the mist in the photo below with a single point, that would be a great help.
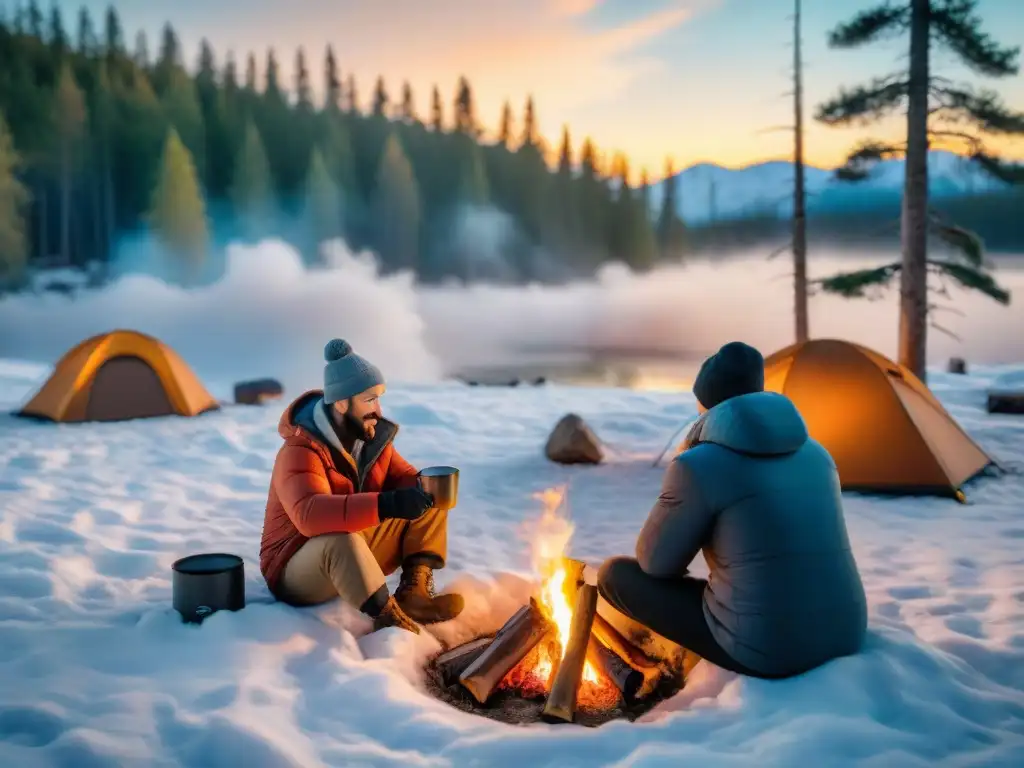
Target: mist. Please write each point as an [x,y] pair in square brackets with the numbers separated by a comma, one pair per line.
[268,315]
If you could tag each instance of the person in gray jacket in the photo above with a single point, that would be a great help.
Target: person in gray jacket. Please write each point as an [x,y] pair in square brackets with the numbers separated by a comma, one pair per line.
[762,500]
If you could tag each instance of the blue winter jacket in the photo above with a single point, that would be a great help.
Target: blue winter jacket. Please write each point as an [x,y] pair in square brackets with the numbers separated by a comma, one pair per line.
[762,500]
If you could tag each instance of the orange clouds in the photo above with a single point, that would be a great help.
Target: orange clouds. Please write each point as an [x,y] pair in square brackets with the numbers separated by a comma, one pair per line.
[549,49]
[634,75]
[510,50]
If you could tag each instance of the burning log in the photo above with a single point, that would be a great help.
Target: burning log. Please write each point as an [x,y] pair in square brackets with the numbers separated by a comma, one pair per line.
[561,702]
[514,640]
[530,677]
[627,680]
[609,637]
[454,661]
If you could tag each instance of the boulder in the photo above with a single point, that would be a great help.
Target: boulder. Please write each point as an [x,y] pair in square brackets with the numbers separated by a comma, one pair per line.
[572,441]
[258,391]
[957,365]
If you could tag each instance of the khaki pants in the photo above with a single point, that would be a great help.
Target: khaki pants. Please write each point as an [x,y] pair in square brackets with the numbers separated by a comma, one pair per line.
[354,565]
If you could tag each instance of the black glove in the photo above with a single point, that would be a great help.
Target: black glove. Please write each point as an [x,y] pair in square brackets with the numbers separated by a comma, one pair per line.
[404,504]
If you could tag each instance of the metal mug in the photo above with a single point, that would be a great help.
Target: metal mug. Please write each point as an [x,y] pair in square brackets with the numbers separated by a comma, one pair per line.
[442,483]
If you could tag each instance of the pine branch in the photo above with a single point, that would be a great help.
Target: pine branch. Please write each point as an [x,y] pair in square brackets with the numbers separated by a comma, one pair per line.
[853,285]
[973,142]
[874,152]
[869,26]
[934,309]
[784,248]
[985,109]
[941,308]
[972,279]
[1010,173]
[965,242]
[850,175]
[955,24]
[864,104]
[864,157]
[944,330]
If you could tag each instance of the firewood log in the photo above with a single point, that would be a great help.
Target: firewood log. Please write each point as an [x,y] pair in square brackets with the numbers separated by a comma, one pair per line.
[610,637]
[560,706]
[454,661]
[514,640]
[1006,401]
[628,680]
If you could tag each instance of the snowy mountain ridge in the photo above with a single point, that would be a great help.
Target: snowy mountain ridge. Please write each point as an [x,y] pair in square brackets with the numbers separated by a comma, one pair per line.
[708,192]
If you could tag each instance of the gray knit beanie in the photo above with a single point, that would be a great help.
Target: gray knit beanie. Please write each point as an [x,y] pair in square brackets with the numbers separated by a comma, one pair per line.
[346,373]
[736,369]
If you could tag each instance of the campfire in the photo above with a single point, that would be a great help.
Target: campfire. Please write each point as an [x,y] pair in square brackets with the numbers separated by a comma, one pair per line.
[556,653]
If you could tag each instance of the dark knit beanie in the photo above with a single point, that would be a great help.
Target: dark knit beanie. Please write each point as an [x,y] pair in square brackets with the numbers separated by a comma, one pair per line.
[346,373]
[736,369]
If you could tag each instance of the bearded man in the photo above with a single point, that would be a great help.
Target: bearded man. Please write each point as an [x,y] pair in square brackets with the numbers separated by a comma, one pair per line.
[345,510]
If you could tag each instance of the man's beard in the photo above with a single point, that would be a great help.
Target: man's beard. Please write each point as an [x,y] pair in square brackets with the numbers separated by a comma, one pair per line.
[359,428]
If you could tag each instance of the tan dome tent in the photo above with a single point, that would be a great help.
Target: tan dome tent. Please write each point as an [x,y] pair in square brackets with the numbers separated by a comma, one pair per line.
[116,376]
[885,429]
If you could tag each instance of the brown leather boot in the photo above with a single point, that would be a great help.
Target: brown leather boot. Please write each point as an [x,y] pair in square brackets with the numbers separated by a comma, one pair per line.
[394,616]
[416,595]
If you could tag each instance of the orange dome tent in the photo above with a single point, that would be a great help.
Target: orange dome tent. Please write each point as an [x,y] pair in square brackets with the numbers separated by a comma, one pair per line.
[117,376]
[885,429]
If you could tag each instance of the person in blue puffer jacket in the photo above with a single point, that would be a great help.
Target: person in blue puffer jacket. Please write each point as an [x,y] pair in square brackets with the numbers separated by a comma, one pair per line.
[761,499]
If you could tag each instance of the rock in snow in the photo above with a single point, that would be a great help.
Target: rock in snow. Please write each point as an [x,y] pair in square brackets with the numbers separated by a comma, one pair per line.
[572,441]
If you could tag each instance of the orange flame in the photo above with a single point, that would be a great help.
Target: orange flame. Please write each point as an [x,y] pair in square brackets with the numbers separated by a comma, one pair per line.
[554,530]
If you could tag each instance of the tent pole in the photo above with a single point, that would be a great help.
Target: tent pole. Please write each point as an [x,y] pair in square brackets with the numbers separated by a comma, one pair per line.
[668,445]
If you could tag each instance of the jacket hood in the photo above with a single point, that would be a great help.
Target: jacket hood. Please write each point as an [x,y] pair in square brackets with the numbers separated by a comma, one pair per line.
[758,424]
[299,417]
[299,414]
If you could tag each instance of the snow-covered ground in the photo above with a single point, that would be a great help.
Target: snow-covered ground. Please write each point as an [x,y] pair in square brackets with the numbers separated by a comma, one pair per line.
[97,670]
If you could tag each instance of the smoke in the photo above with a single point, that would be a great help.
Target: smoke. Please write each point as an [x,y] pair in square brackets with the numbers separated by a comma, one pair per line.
[269,315]
[480,239]
[484,244]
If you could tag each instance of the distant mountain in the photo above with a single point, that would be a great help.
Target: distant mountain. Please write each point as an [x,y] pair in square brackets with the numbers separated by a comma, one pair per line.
[708,192]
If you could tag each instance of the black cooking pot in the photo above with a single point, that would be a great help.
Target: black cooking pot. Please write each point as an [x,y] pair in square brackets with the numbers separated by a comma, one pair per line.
[207,583]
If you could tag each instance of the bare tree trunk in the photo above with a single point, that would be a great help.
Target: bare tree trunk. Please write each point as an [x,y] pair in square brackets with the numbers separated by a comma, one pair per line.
[44,223]
[913,339]
[110,207]
[65,204]
[97,216]
[799,208]
[74,243]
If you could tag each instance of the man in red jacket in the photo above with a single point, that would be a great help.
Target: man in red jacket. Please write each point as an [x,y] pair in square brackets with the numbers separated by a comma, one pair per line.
[345,509]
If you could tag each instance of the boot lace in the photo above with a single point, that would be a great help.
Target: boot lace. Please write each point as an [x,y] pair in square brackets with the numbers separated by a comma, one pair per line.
[422,577]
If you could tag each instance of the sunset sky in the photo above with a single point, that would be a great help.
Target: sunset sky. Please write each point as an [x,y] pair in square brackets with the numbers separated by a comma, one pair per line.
[701,80]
